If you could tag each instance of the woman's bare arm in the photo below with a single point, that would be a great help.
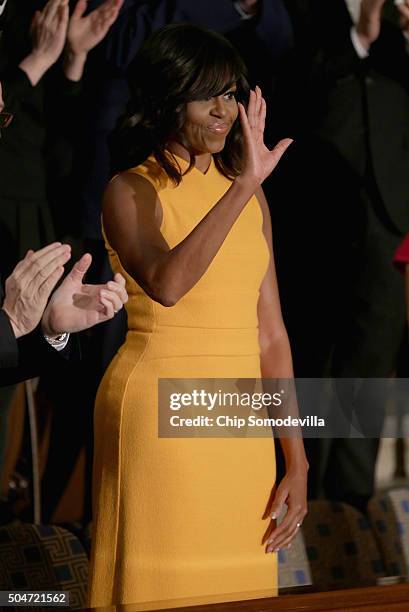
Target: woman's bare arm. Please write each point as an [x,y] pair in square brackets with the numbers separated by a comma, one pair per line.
[132,225]
[276,362]
[132,222]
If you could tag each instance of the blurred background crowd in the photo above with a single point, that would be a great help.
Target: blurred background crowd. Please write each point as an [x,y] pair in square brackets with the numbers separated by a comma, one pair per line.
[336,78]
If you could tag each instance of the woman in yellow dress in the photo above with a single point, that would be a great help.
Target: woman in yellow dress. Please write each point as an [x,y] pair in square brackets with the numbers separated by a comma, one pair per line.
[184,521]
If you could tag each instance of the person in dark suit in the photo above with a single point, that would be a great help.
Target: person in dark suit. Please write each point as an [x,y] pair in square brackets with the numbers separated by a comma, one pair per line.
[34,335]
[42,56]
[344,215]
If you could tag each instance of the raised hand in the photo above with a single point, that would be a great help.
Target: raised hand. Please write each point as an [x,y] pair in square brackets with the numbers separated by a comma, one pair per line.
[369,24]
[30,284]
[85,32]
[403,8]
[74,306]
[259,161]
[49,30]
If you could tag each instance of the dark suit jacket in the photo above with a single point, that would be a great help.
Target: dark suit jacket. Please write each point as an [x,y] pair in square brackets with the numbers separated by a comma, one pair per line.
[359,107]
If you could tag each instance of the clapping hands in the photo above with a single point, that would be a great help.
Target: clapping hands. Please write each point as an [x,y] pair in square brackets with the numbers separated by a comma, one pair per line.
[30,284]
[48,31]
[75,306]
[52,29]
[86,31]
[369,24]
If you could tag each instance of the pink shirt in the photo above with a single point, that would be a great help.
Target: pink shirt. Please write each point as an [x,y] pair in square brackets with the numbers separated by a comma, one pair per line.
[402,255]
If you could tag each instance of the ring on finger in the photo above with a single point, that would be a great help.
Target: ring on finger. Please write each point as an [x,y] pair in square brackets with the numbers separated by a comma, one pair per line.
[299,525]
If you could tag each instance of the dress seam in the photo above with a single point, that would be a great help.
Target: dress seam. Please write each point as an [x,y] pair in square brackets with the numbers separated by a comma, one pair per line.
[138,362]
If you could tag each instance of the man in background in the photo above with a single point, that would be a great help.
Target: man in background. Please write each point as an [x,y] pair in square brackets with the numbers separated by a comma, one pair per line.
[340,207]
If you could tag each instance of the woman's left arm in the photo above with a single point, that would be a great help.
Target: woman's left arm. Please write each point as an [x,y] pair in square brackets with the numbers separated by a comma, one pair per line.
[276,362]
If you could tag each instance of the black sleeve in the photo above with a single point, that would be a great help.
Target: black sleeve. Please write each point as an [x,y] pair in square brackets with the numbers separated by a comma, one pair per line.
[36,356]
[16,86]
[327,45]
[62,104]
[324,40]
[8,343]
[389,54]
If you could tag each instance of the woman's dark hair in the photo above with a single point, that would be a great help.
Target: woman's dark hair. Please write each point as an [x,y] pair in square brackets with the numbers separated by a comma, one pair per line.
[177,64]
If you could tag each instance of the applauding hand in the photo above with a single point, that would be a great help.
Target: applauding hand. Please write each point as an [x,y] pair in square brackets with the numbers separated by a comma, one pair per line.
[30,284]
[48,33]
[85,32]
[75,306]
[259,161]
[368,27]
[403,8]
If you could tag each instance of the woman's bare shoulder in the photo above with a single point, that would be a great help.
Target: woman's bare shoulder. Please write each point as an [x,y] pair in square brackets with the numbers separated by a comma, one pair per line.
[129,183]
[130,200]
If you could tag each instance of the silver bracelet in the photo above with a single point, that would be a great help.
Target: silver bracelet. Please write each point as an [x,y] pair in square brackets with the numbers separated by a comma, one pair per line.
[59,342]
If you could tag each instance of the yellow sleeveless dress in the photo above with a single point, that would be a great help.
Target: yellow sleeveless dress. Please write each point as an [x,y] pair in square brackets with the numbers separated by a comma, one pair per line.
[178,522]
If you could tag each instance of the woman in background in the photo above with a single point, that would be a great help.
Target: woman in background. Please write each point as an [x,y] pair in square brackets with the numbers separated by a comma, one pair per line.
[179,521]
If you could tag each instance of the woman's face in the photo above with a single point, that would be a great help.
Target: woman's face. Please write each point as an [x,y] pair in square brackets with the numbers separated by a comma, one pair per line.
[209,121]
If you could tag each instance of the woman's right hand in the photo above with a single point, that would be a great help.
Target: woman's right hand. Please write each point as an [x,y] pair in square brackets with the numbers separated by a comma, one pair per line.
[48,32]
[259,161]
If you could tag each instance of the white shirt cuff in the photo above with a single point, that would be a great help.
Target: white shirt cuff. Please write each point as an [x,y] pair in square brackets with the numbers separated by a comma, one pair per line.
[406,41]
[361,51]
[2,6]
[240,11]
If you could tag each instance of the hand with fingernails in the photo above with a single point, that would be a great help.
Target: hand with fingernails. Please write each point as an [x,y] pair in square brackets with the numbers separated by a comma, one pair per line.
[292,492]
[259,161]
[75,306]
[52,28]
[29,286]
[368,27]
[48,33]
[86,31]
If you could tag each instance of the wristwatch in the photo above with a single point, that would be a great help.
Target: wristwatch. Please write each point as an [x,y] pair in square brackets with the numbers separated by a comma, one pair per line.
[58,342]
